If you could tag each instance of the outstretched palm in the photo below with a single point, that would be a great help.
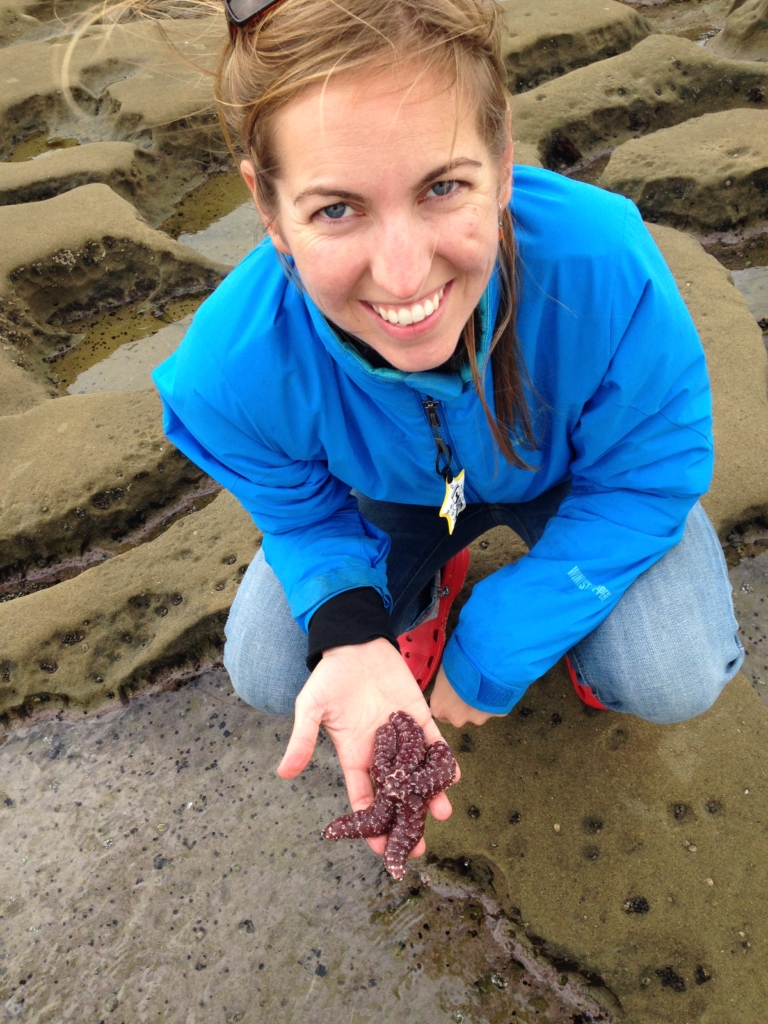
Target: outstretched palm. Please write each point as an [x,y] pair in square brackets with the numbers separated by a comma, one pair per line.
[351,693]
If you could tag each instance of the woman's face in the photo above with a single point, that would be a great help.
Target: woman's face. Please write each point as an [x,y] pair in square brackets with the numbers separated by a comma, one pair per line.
[388,202]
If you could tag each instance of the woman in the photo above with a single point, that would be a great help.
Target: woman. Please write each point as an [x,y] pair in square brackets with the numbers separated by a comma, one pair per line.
[427,346]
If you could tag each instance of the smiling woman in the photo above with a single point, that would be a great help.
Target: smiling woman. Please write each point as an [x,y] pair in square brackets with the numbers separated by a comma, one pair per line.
[395,251]
[429,338]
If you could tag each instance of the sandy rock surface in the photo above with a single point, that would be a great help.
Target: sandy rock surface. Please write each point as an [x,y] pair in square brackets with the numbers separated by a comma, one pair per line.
[705,175]
[129,171]
[546,38]
[149,616]
[127,82]
[662,81]
[85,250]
[745,35]
[38,19]
[124,79]
[736,359]
[19,390]
[632,849]
[82,478]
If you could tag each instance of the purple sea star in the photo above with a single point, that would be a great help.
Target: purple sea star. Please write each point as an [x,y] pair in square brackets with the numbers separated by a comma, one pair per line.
[406,774]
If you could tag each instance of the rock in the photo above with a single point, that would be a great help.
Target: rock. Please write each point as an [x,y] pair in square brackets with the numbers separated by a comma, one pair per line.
[546,38]
[19,390]
[616,785]
[153,615]
[84,477]
[129,171]
[707,175]
[526,154]
[736,359]
[745,35]
[127,82]
[77,253]
[661,82]
[124,78]
[38,19]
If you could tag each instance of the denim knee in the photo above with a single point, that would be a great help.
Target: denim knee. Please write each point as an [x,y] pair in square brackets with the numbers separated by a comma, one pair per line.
[265,650]
[659,697]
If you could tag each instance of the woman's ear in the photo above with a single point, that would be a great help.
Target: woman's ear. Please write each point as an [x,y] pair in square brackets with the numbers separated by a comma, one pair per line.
[270,223]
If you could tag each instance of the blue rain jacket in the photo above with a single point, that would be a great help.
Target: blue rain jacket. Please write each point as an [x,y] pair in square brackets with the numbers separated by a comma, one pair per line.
[266,397]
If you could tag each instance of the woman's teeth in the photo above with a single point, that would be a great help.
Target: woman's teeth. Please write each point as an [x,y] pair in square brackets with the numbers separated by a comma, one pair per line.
[405,315]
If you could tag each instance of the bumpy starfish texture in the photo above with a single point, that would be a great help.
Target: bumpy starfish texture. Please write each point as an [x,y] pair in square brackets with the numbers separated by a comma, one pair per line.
[406,774]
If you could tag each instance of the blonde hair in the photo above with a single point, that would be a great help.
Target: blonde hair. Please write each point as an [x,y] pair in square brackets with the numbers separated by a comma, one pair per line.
[300,43]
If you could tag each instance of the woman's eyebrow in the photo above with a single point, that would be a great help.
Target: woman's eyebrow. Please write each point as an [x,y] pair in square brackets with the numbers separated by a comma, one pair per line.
[452,165]
[340,193]
[327,193]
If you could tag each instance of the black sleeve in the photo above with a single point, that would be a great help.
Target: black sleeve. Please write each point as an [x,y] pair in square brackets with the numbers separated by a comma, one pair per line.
[352,617]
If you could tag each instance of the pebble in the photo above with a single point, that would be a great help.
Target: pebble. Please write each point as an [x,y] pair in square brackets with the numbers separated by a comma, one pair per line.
[111,1004]
[710,881]
[557,828]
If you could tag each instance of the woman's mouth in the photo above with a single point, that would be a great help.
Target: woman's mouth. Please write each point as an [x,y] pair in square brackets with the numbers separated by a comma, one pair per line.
[405,315]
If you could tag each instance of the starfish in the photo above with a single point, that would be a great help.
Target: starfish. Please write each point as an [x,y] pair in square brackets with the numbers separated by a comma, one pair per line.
[406,774]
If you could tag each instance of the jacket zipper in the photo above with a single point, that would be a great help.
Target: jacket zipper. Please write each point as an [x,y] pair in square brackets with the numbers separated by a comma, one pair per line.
[444,454]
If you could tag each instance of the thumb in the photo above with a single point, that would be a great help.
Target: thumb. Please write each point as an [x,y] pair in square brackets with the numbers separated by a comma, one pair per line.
[301,745]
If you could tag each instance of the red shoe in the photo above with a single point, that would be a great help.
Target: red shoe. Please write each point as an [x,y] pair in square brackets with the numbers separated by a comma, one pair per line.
[584,692]
[422,647]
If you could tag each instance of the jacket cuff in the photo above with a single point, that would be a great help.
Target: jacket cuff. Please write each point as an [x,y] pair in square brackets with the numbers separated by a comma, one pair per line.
[351,617]
[481,692]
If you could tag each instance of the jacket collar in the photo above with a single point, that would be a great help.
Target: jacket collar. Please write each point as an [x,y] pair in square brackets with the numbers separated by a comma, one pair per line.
[439,385]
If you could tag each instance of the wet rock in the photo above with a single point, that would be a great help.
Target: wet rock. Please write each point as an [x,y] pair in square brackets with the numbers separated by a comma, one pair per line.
[83,476]
[126,84]
[736,359]
[661,82]
[129,171]
[75,254]
[643,916]
[707,175]
[546,38]
[745,35]
[118,606]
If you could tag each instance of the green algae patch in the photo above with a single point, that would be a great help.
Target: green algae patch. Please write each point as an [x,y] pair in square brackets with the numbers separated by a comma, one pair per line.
[630,853]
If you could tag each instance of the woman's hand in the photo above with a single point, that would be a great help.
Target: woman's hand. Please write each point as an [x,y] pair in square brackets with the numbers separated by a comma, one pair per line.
[351,693]
[447,706]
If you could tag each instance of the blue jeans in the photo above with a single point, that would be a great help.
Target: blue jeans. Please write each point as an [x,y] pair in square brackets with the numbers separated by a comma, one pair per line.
[664,653]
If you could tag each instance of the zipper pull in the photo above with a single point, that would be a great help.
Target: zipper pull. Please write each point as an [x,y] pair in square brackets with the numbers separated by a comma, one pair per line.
[444,453]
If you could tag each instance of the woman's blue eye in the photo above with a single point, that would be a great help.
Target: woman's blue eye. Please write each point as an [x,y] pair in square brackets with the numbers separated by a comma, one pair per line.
[335,211]
[443,188]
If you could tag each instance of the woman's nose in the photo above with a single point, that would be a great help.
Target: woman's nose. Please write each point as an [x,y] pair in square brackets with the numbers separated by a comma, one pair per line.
[401,257]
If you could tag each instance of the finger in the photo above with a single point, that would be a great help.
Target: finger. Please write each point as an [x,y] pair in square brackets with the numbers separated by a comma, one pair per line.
[301,745]
[440,807]
[419,849]
[378,844]
[359,787]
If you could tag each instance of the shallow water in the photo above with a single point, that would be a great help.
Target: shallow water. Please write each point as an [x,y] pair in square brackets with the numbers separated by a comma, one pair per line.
[100,336]
[154,863]
[752,282]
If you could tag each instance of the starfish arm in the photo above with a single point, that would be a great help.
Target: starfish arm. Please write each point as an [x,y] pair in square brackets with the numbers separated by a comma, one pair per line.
[406,832]
[375,820]
[437,775]
[384,751]
[411,747]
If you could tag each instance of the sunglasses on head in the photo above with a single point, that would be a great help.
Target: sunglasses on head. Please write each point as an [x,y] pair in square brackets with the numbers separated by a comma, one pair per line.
[241,12]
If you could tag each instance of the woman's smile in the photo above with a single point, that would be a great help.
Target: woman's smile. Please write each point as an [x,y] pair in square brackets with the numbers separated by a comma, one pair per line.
[388,203]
